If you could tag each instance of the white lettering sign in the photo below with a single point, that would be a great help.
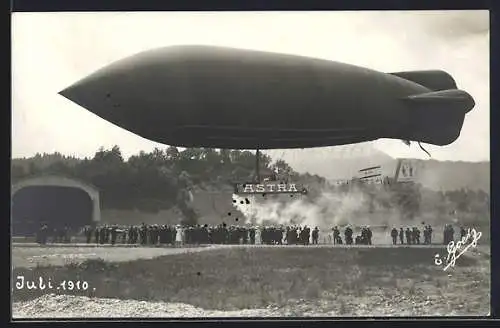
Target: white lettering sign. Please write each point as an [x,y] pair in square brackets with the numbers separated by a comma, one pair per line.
[253,188]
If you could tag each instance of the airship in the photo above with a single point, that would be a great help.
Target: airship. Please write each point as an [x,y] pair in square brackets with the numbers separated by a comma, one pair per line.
[218,97]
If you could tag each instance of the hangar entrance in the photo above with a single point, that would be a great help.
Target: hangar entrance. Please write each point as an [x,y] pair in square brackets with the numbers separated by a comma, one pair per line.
[58,207]
[56,202]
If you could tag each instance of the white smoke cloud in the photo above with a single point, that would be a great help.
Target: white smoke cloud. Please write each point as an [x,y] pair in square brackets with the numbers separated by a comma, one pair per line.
[329,209]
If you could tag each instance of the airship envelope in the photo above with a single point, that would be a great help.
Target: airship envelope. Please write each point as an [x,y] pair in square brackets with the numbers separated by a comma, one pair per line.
[203,96]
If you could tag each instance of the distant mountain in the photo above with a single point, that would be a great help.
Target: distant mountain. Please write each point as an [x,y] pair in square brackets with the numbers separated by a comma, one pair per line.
[344,162]
[448,175]
[340,162]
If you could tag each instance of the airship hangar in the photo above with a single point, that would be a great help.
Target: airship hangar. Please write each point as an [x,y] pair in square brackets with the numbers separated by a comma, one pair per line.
[53,200]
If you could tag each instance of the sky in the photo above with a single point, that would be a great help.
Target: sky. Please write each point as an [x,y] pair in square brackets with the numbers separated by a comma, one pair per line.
[51,51]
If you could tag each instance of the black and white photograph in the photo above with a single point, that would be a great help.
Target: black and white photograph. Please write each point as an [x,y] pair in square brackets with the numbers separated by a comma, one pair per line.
[250,164]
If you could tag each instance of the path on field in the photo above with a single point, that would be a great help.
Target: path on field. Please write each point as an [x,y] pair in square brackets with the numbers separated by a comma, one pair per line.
[46,255]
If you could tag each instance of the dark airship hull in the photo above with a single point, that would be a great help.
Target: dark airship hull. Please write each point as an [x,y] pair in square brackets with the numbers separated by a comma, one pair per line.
[202,96]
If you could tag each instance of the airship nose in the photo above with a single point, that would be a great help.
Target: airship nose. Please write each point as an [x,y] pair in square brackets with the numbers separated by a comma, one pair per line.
[119,96]
[94,96]
[71,93]
[66,93]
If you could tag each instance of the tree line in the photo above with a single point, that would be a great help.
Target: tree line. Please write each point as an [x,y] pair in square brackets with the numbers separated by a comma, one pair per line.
[150,181]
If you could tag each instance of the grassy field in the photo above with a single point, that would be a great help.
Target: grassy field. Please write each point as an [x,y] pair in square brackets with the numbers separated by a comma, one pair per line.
[292,281]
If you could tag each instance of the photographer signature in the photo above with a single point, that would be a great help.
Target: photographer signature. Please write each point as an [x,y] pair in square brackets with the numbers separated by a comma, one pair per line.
[466,242]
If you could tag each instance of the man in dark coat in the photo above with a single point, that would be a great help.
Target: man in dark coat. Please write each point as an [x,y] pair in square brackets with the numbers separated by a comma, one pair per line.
[336,235]
[252,235]
[97,233]
[88,234]
[315,236]
[429,229]
[102,234]
[114,234]
[408,236]
[307,235]
[463,232]
[348,235]
[417,235]
[394,235]
[143,234]
[369,235]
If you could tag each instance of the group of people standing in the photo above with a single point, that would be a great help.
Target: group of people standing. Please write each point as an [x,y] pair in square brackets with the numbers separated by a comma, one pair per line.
[411,235]
[296,235]
[449,233]
[201,234]
[47,234]
[145,234]
[364,238]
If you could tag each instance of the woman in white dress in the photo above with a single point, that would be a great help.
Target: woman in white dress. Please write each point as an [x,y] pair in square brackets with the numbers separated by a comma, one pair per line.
[179,236]
[257,235]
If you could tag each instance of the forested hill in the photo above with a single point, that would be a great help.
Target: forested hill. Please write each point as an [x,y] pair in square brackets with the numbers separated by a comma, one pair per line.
[433,174]
[158,180]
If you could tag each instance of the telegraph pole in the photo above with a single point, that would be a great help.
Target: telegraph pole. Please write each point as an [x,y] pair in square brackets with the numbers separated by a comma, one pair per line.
[257,165]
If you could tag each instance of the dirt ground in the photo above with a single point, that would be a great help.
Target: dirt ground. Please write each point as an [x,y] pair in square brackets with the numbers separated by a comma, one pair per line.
[251,281]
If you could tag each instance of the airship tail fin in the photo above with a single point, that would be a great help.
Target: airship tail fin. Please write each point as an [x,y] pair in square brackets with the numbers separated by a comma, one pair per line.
[437,117]
[434,80]
[456,100]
